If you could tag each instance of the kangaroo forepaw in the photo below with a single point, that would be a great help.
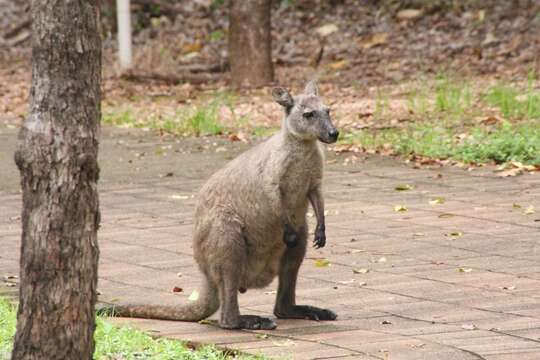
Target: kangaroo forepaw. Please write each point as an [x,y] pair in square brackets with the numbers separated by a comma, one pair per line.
[306,312]
[290,236]
[320,237]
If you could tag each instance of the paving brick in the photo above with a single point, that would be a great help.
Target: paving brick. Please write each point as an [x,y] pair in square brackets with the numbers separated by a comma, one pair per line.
[416,304]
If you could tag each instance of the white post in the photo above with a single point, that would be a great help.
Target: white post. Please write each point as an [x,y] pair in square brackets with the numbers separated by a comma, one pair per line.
[123,15]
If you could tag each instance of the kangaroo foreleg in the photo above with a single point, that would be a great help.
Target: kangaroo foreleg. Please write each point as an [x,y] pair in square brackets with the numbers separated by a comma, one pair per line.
[317,202]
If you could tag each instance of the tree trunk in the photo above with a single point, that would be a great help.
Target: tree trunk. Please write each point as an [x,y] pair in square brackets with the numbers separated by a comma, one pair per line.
[57,158]
[250,43]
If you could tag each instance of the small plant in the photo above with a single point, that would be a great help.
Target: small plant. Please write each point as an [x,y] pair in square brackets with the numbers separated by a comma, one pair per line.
[121,118]
[514,105]
[452,96]
[204,121]
[443,95]
[381,105]
[418,101]
[198,121]
[217,35]
[508,142]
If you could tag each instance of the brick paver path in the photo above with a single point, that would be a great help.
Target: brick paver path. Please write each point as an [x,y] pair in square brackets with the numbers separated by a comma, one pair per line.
[457,280]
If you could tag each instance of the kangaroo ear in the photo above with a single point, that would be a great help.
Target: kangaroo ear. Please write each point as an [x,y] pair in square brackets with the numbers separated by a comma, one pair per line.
[282,97]
[311,88]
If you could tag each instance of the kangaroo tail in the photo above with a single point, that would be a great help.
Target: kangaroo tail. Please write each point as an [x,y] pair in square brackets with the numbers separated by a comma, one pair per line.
[199,309]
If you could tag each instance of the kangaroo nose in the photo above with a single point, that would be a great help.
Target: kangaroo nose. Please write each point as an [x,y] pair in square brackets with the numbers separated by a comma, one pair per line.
[333,134]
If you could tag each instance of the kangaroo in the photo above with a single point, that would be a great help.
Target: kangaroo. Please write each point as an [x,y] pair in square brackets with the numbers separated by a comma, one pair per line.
[250,221]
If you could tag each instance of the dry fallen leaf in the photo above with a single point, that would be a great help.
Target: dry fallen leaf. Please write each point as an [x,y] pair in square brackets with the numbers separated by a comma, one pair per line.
[381,260]
[338,65]
[489,120]
[322,262]
[360,271]
[465,270]
[529,210]
[436,201]
[177,289]
[179,197]
[239,136]
[469,326]
[190,48]
[454,234]
[373,40]
[511,172]
[400,208]
[327,29]
[409,14]
[446,215]
[403,187]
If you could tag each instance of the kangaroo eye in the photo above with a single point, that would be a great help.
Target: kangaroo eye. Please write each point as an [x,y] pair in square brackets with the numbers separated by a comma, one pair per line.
[309,114]
[327,111]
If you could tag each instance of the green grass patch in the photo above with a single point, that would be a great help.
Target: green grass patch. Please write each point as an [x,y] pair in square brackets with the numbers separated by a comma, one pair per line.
[504,143]
[198,120]
[8,321]
[450,120]
[448,97]
[114,342]
[514,105]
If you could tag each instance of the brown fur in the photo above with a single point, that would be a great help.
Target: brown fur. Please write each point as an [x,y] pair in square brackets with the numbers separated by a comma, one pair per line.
[241,215]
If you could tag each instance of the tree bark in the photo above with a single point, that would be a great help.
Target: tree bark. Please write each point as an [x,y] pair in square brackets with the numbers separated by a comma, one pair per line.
[57,159]
[250,43]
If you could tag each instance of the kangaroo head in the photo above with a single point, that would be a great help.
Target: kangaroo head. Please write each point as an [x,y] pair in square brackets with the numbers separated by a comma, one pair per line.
[307,118]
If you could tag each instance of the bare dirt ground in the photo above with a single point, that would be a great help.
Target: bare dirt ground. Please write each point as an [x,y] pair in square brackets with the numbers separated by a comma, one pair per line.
[369,49]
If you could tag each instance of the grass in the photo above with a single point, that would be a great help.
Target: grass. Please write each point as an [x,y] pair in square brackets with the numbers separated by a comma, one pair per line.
[445,117]
[446,95]
[122,343]
[199,120]
[444,124]
[8,320]
[513,104]
[507,142]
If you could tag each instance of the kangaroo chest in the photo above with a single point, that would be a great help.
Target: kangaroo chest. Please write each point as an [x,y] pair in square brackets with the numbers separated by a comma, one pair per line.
[298,177]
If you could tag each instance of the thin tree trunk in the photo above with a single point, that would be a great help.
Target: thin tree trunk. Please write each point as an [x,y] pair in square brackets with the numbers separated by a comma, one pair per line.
[57,158]
[250,43]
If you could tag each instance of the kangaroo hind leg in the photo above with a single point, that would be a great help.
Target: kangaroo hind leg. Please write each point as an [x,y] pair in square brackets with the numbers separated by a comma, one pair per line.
[286,307]
[227,272]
